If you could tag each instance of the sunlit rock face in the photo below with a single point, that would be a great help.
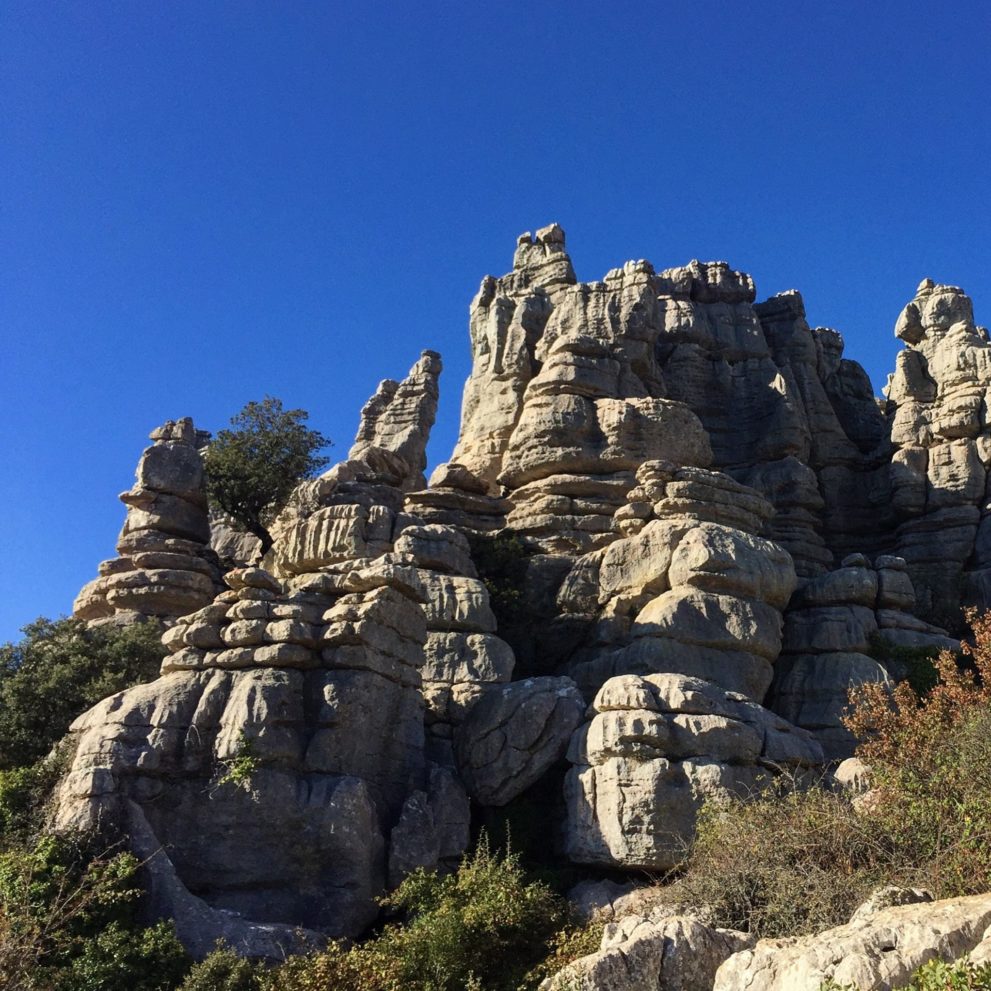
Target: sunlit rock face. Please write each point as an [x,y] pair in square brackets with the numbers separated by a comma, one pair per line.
[937,399]
[166,567]
[672,535]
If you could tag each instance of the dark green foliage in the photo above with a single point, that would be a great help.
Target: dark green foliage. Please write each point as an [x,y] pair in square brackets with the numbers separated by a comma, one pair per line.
[68,922]
[501,561]
[24,792]
[224,970]
[486,927]
[59,670]
[253,468]
[916,665]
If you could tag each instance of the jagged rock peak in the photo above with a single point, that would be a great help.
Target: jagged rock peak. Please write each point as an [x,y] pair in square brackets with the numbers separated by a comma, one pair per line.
[398,418]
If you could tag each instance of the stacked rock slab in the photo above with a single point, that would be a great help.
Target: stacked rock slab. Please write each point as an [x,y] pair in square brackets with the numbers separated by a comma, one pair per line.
[463,655]
[165,568]
[937,400]
[832,624]
[655,748]
[687,588]
[314,688]
[399,416]
[307,684]
[848,445]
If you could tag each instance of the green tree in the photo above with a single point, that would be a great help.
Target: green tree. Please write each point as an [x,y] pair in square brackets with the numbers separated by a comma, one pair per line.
[59,670]
[253,468]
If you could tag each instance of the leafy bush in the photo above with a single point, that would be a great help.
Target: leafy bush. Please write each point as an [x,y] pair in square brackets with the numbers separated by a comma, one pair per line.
[224,970]
[485,927]
[501,560]
[931,764]
[68,922]
[253,468]
[60,669]
[24,792]
[937,976]
[801,863]
[959,976]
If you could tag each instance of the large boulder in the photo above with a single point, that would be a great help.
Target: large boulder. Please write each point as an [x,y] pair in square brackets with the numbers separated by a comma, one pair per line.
[514,735]
[644,953]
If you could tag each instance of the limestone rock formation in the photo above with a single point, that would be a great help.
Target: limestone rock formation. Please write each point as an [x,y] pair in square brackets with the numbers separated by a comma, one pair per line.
[689,588]
[877,952]
[644,953]
[515,734]
[832,625]
[463,655]
[166,567]
[942,449]
[399,416]
[292,704]
[695,483]
[655,748]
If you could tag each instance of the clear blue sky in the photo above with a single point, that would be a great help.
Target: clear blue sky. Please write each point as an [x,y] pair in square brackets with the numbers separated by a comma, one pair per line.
[205,202]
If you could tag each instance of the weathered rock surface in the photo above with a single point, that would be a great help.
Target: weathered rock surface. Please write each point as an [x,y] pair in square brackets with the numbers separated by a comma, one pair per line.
[655,748]
[514,735]
[942,441]
[645,953]
[877,952]
[833,624]
[689,587]
[166,567]
[697,484]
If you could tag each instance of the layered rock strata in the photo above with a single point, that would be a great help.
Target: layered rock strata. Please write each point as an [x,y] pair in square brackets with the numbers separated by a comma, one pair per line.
[937,400]
[315,688]
[656,747]
[832,625]
[166,567]
[688,587]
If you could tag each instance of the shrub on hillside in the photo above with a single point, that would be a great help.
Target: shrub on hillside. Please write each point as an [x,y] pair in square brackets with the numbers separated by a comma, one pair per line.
[68,922]
[487,926]
[782,866]
[59,670]
[931,763]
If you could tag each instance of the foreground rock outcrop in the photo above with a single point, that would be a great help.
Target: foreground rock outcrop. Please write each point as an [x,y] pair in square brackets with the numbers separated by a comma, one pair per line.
[655,749]
[876,951]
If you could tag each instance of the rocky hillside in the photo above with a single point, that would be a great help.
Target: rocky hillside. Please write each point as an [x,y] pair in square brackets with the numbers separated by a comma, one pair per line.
[712,527]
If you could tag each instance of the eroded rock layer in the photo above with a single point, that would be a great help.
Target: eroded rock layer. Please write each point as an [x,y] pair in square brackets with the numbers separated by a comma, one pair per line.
[166,567]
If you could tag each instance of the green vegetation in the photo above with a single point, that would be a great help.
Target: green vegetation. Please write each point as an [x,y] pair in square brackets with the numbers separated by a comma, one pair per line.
[253,468]
[239,768]
[68,922]
[486,927]
[59,670]
[501,561]
[916,665]
[938,976]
